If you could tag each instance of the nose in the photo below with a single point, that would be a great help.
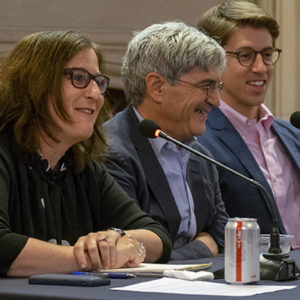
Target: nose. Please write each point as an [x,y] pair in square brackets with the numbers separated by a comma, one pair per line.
[258,65]
[92,90]
[214,98]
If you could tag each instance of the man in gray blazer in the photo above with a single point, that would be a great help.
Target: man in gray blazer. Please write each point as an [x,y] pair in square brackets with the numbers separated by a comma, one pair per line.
[171,75]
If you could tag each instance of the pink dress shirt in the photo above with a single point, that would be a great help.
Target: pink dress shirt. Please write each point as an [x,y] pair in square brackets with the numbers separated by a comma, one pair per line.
[274,162]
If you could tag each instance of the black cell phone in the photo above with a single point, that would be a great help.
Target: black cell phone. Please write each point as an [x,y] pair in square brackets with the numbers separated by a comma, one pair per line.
[68,279]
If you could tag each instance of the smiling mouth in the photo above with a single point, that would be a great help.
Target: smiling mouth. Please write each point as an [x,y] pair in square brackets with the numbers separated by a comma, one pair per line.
[87,111]
[256,82]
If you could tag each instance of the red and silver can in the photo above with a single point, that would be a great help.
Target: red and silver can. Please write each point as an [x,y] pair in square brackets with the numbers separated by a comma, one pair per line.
[242,250]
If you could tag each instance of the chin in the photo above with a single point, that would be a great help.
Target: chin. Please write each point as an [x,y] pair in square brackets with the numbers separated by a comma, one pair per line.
[200,131]
[84,136]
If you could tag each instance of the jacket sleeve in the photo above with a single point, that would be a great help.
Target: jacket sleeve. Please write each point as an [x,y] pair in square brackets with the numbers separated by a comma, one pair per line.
[192,250]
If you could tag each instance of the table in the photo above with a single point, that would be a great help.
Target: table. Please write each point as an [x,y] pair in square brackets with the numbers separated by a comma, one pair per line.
[18,288]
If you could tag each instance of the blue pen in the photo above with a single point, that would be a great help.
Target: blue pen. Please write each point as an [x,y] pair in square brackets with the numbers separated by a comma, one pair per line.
[116,275]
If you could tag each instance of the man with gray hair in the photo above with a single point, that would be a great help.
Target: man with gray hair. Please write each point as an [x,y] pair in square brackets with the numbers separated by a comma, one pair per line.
[171,75]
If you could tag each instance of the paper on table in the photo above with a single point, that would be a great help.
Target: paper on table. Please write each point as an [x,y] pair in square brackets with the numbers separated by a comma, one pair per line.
[179,286]
[160,268]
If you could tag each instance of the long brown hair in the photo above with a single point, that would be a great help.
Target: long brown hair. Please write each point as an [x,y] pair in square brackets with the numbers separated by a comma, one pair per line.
[31,72]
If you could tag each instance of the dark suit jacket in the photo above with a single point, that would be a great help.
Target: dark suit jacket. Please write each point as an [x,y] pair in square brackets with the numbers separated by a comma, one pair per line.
[227,146]
[133,163]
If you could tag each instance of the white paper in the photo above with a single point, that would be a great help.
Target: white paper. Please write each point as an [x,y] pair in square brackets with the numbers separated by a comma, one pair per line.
[179,286]
[159,268]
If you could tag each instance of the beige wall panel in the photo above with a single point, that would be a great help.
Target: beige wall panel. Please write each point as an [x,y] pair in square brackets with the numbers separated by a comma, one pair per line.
[283,93]
[112,22]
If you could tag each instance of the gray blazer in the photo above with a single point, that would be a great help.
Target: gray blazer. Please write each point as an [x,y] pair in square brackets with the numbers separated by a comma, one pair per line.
[134,165]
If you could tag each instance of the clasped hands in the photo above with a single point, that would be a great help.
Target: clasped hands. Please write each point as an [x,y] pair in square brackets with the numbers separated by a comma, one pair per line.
[107,249]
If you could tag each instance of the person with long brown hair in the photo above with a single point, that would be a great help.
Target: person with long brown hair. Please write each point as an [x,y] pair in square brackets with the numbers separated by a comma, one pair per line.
[58,205]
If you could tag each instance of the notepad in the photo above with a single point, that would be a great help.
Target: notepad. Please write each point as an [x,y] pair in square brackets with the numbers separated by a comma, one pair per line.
[156,270]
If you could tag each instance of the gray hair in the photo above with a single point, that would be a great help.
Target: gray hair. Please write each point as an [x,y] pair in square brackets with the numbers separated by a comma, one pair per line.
[170,49]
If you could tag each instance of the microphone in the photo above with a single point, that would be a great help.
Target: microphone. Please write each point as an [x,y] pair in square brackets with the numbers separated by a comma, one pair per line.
[284,268]
[295,119]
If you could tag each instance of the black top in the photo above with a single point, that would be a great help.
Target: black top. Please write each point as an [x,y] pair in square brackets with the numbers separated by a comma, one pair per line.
[59,207]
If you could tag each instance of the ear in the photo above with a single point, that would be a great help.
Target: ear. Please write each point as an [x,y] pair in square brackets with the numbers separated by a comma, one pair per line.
[155,84]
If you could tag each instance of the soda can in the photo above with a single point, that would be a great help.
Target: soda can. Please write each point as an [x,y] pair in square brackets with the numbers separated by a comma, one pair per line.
[242,250]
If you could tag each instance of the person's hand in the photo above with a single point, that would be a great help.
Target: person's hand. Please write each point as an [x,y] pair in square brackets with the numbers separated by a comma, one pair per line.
[130,252]
[107,249]
[97,250]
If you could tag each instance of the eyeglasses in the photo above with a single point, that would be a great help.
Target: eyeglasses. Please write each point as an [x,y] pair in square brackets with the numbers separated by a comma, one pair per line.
[247,56]
[209,87]
[81,78]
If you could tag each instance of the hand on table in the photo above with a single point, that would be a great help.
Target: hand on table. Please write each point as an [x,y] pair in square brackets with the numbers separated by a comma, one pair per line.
[107,249]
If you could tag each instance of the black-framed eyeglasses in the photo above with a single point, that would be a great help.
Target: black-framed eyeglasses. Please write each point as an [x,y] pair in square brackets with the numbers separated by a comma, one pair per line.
[208,87]
[247,56]
[81,78]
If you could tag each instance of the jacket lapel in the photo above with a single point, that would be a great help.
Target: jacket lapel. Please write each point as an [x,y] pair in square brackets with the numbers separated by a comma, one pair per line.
[232,139]
[289,139]
[155,176]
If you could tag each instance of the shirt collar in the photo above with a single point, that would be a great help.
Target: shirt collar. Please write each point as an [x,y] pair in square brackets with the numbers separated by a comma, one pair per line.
[159,143]
[265,116]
